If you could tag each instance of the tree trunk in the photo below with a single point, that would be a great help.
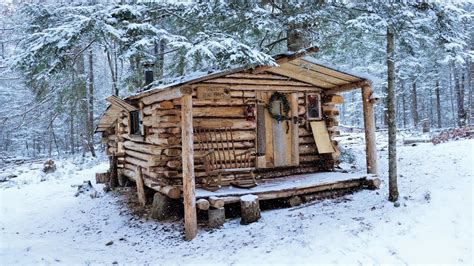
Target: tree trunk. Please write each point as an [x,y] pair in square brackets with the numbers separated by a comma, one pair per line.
[404,109]
[438,104]
[451,98]
[392,126]
[90,118]
[296,32]
[459,87]
[414,105]
[160,54]
[83,102]
[113,71]
[71,128]
[470,70]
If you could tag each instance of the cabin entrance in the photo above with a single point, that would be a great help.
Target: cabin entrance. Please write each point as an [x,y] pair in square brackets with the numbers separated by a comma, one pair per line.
[277,129]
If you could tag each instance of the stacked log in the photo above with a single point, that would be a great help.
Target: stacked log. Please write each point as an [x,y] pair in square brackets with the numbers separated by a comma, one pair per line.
[158,151]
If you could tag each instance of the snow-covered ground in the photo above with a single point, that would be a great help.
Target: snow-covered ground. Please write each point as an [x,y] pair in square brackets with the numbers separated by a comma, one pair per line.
[43,222]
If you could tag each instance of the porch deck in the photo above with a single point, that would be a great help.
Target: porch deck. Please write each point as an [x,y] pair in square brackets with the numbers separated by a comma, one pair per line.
[292,185]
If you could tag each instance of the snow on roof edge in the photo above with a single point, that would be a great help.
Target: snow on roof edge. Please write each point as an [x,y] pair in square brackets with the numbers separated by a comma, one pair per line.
[349,72]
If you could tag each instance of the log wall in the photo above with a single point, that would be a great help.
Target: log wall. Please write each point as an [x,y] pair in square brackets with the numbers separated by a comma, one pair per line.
[158,151]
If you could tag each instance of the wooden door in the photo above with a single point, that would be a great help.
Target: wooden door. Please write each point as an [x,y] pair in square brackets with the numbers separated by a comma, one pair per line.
[277,141]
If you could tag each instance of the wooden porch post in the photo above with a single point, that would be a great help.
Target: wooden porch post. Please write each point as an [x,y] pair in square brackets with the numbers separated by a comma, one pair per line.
[190,219]
[369,126]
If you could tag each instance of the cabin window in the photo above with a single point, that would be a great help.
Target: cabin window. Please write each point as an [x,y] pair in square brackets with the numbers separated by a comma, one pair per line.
[135,123]
[313,106]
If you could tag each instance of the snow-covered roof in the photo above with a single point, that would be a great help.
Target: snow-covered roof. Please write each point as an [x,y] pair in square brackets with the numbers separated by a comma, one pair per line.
[297,65]
[306,69]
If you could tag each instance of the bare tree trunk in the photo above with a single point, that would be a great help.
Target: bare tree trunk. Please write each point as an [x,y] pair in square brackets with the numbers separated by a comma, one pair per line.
[470,71]
[160,53]
[71,128]
[438,104]
[392,126]
[414,104]
[90,120]
[453,112]
[113,72]
[404,107]
[83,102]
[50,144]
[461,119]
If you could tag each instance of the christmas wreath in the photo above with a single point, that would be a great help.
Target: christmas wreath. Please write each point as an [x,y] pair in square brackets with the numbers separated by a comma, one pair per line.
[277,96]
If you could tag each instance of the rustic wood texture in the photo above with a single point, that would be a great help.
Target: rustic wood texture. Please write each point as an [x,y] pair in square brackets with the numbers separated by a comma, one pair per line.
[321,137]
[140,186]
[102,177]
[218,154]
[189,201]
[202,204]
[249,209]
[160,207]
[369,128]
[216,217]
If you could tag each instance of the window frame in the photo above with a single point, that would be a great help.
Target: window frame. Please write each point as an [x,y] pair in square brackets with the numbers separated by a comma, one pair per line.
[135,125]
[318,95]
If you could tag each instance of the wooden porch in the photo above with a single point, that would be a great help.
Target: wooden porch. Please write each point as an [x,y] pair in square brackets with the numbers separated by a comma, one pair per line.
[294,185]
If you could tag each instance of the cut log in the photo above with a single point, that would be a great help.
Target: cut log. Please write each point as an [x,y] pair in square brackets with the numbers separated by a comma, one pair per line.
[122,179]
[233,123]
[146,148]
[161,206]
[113,181]
[202,204]
[373,183]
[216,217]
[334,99]
[295,201]
[156,139]
[140,186]
[250,209]
[165,95]
[102,177]
[170,191]
[408,141]
[216,202]
[237,112]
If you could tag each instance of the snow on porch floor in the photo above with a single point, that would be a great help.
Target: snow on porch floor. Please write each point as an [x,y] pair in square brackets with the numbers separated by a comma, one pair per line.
[293,182]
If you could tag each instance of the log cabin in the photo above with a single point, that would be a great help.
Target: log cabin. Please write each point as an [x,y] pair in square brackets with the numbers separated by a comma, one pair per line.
[213,139]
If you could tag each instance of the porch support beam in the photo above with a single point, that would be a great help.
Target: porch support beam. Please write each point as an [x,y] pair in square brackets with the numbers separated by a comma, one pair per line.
[189,197]
[369,127]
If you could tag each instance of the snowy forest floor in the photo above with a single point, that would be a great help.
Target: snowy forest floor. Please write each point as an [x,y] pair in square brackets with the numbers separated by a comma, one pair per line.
[41,221]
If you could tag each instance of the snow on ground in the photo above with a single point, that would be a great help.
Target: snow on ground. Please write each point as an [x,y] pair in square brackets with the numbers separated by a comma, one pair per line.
[43,222]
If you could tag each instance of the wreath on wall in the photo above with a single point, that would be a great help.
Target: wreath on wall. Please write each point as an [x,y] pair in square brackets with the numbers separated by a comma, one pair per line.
[277,96]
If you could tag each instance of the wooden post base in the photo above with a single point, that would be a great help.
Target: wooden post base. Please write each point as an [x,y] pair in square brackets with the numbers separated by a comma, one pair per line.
[250,209]
[216,217]
[102,177]
[373,184]
[295,201]
[160,207]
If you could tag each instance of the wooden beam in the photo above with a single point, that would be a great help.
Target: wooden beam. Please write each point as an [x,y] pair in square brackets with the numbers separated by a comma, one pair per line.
[167,94]
[123,105]
[301,74]
[348,87]
[369,127]
[189,201]
[284,193]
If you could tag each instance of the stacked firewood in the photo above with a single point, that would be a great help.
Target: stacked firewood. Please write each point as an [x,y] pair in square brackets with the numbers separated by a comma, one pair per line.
[454,134]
